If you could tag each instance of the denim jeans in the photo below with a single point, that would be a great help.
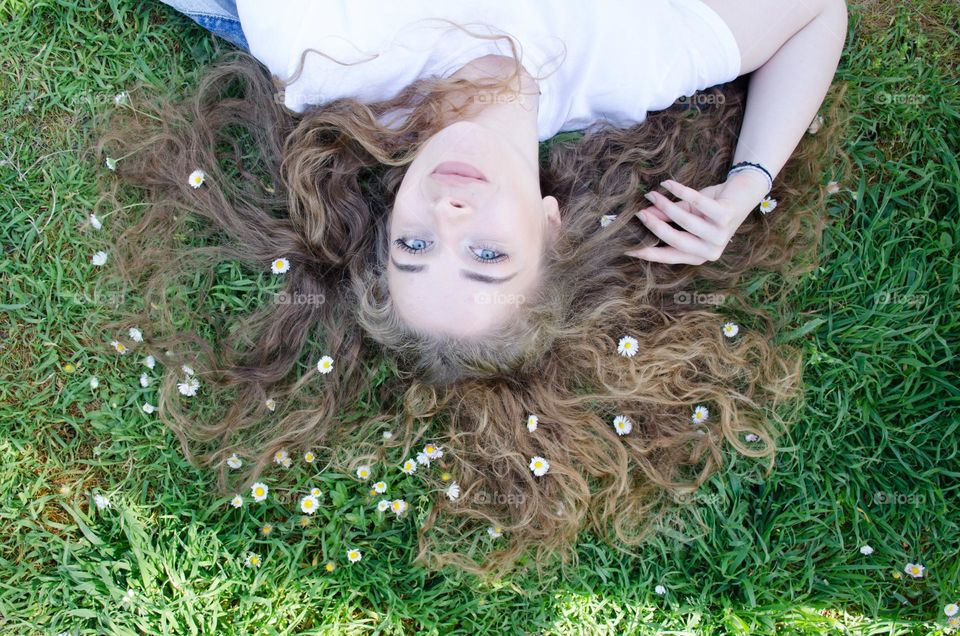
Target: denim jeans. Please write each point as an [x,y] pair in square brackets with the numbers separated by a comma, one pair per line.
[220,17]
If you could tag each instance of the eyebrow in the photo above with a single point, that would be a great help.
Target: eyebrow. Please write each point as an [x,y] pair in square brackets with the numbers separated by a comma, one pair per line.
[482,278]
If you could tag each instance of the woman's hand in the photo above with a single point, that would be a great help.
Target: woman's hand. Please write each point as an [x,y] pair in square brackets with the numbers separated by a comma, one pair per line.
[709,217]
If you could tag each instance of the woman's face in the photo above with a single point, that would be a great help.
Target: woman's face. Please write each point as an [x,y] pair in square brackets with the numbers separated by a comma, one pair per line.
[464,252]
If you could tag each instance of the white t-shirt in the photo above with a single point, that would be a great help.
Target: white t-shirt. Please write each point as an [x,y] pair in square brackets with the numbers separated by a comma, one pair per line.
[615,60]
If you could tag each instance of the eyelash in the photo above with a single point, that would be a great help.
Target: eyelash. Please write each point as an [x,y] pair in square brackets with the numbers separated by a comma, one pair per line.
[401,243]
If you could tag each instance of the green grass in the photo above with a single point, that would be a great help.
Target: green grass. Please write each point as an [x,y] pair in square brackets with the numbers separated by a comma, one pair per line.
[874,459]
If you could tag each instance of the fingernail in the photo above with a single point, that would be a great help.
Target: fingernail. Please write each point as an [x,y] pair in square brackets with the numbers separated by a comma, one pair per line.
[643,217]
[651,197]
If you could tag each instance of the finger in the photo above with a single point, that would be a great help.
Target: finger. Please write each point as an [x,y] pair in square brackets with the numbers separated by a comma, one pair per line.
[668,255]
[684,241]
[710,208]
[660,214]
[692,223]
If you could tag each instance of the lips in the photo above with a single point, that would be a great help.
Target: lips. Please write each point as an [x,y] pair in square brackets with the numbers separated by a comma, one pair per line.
[463,171]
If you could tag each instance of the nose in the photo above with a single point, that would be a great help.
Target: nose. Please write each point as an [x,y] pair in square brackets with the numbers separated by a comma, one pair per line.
[452,206]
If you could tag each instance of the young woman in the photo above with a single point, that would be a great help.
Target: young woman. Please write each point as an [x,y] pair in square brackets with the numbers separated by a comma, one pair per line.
[392,172]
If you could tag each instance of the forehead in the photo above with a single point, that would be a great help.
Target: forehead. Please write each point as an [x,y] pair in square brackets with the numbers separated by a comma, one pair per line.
[439,300]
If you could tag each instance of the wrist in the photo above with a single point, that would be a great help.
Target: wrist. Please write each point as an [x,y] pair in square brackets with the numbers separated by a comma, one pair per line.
[749,185]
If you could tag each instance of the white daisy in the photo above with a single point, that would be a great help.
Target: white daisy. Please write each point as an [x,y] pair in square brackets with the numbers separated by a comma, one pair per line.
[660,590]
[148,408]
[101,501]
[627,346]
[325,365]
[453,491]
[951,609]
[189,386]
[95,222]
[815,125]
[495,531]
[281,456]
[833,187]
[259,491]
[539,466]
[135,334]
[234,461]
[99,259]
[383,505]
[150,361]
[286,462]
[409,467]
[380,487]
[315,492]
[118,346]
[700,414]
[432,451]
[187,370]
[196,178]
[768,205]
[94,382]
[622,424]
[423,458]
[399,506]
[354,555]
[271,405]
[309,457]
[121,98]
[280,266]
[751,437]
[111,163]
[730,329]
[253,560]
[866,550]
[144,380]
[915,570]
[363,472]
[309,504]
[532,421]
[237,501]
[607,219]
[387,434]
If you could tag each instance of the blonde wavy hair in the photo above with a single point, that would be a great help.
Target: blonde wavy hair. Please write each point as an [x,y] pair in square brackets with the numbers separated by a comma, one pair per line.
[317,188]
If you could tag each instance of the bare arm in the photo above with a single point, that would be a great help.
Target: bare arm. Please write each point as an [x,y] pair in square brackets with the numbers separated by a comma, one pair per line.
[793,49]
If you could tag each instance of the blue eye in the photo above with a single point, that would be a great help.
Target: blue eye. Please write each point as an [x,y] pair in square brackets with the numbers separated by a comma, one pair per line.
[412,245]
[488,255]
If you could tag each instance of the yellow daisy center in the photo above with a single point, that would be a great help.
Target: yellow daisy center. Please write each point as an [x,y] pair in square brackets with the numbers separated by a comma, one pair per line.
[258,492]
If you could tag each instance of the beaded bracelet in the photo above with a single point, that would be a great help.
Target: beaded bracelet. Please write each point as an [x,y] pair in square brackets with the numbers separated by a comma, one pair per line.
[746,165]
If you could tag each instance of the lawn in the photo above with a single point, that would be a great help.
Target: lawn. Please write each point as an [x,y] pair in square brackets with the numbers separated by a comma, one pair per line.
[874,460]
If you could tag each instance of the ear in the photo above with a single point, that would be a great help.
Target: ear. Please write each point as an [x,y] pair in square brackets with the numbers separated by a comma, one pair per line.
[551,209]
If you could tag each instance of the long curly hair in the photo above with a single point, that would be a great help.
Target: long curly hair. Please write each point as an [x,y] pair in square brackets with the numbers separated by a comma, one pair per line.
[317,188]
